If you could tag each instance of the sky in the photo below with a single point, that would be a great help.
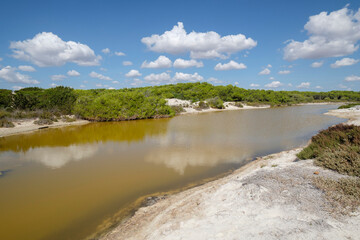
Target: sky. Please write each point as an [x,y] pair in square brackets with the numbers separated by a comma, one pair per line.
[279,45]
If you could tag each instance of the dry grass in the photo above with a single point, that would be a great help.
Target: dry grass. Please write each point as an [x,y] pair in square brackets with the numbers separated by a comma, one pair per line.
[343,194]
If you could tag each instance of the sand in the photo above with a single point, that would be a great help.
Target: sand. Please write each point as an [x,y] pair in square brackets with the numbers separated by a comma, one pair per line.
[270,198]
[27,126]
[191,108]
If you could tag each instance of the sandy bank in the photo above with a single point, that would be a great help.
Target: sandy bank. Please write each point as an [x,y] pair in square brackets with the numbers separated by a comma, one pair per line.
[190,108]
[27,125]
[270,198]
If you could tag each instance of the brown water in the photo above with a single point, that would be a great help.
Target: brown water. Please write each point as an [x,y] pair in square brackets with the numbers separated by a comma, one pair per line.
[62,183]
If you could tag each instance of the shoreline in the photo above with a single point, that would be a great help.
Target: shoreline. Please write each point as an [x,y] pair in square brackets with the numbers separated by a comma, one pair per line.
[188,213]
[27,126]
[23,126]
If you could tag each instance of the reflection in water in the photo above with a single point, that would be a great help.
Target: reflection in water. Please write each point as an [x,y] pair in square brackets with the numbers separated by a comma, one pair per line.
[56,157]
[87,173]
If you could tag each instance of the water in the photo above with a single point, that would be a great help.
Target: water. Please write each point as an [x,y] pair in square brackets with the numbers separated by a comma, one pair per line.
[63,183]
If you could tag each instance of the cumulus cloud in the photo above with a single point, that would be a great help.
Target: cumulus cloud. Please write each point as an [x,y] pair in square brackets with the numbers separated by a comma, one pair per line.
[199,44]
[9,74]
[53,85]
[157,78]
[47,49]
[266,71]
[120,54]
[319,87]
[136,82]
[186,77]
[26,68]
[344,62]
[161,62]
[127,63]
[284,72]
[59,77]
[331,35]
[254,85]
[17,88]
[229,66]
[214,80]
[181,63]
[73,73]
[304,85]
[269,66]
[317,64]
[106,50]
[1,59]
[133,73]
[352,78]
[99,76]
[271,78]
[274,84]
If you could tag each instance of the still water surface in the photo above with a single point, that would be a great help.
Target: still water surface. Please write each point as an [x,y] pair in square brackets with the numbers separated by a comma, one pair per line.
[63,183]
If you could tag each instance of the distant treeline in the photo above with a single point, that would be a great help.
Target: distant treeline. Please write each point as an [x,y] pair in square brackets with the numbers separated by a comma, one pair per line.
[149,102]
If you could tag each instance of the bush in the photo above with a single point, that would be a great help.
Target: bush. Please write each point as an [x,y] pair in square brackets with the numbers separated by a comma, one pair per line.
[348,105]
[239,105]
[336,148]
[202,105]
[43,121]
[177,109]
[216,102]
[4,123]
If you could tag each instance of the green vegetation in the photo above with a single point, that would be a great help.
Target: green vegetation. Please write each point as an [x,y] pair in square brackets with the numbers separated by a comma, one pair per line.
[348,105]
[338,148]
[145,102]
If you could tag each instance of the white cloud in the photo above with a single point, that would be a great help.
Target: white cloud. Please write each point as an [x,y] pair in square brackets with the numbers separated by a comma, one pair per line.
[269,66]
[352,78]
[229,66]
[127,63]
[73,73]
[106,50]
[111,88]
[331,35]
[120,54]
[59,77]
[284,72]
[158,78]
[9,74]
[1,60]
[271,78]
[103,69]
[186,77]
[254,85]
[344,62]
[136,82]
[304,85]
[26,68]
[214,80]
[115,82]
[82,86]
[319,87]
[53,85]
[266,71]
[236,83]
[133,73]
[274,84]
[200,45]
[99,76]
[47,49]
[161,62]
[289,85]
[317,64]
[17,87]
[181,63]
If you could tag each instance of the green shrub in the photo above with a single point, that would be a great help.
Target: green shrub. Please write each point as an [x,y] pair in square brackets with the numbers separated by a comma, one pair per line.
[348,105]
[239,105]
[43,121]
[177,109]
[202,105]
[336,148]
[4,123]
[216,102]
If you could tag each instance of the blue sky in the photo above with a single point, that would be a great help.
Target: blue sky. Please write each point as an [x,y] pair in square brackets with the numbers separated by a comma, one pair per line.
[280,45]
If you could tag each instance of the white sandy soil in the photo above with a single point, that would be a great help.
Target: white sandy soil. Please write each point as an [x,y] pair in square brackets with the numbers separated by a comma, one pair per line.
[191,107]
[270,198]
[27,125]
